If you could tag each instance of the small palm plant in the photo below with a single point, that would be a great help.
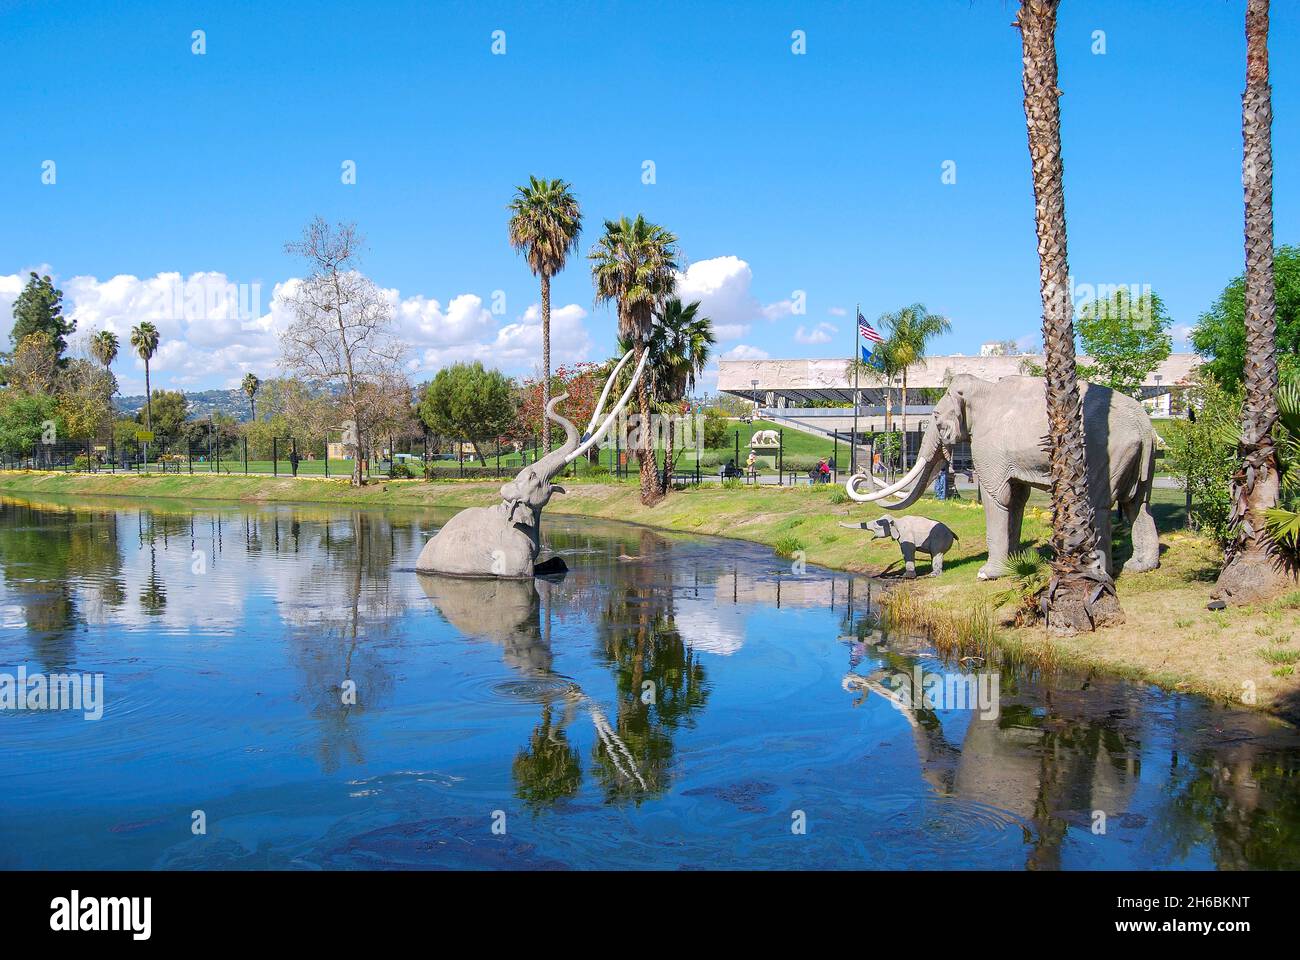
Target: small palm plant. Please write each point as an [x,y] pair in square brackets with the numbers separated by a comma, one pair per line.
[1030,574]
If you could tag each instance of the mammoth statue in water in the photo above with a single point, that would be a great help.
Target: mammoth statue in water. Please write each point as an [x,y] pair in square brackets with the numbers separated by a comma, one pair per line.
[503,541]
[1006,424]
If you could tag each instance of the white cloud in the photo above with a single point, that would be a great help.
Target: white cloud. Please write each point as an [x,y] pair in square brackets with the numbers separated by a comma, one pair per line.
[821,333]
[213,332]
[517,347]
[743,351]
[779,310]
[730,331]
[837,312]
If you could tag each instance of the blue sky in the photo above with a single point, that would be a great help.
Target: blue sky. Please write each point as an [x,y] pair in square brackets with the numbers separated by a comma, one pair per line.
[780,173]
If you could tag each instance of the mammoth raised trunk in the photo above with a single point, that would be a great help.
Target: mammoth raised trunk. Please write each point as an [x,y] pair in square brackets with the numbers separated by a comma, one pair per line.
[503,540]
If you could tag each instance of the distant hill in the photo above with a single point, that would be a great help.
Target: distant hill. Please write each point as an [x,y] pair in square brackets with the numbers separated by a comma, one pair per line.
[231,403]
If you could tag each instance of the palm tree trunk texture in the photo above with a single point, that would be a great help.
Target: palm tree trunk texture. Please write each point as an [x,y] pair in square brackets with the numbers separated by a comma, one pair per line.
[1249,572]
[902,450]
[1081,595]
[650,492]
[668,459]
[546,359]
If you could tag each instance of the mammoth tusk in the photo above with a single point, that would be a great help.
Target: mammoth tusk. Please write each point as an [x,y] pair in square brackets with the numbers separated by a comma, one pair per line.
[850,486]
[595,438]
[881,483]
[604,394]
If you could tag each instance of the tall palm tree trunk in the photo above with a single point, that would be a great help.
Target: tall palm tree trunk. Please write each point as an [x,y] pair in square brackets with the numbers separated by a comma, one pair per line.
[887,461]
[650,492]
[1081,595]
[668,459]
[1249,572]
[546,358]
[902,447]
[148,399]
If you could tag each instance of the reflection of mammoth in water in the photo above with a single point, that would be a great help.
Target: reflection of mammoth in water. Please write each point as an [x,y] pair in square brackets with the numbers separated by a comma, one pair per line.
[507,612]
[1051,772]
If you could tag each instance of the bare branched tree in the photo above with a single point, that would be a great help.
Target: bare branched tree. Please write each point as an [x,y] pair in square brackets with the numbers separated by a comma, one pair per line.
[341,335]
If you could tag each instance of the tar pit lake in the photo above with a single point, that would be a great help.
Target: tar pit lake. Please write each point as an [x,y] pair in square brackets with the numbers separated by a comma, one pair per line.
[279,689]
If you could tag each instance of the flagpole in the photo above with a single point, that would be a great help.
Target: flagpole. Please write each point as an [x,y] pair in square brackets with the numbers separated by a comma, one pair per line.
[857,359]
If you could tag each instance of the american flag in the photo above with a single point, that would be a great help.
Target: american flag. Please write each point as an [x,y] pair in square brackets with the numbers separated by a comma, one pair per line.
[867,331]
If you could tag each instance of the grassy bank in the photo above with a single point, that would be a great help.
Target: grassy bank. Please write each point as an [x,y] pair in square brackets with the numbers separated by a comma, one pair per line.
[1170,638]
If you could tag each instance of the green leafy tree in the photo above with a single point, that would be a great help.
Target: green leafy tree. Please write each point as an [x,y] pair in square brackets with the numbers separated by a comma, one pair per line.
[85,399]
[1220,333]
[23,417]
[544,226]
[634,266]
[1126,339]
[716,430]
[39,309]
[467,401]
[1201,454]
[169,410]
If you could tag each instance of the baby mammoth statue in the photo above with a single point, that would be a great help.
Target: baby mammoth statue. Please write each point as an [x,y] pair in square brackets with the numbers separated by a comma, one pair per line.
[914,534]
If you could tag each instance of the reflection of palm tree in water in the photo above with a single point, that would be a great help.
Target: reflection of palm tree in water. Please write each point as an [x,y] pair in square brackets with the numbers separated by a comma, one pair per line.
[638,639]
[549,768]
[660,683]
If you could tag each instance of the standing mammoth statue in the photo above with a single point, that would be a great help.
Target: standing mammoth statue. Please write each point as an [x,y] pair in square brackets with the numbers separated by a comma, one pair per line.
[1006,424]
[765,438]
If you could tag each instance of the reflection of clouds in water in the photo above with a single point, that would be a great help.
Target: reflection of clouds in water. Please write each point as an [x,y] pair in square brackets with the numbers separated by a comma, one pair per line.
[294,581]
[711,628]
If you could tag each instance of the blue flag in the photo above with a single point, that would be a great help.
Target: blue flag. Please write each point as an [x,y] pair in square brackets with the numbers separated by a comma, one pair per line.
[869,356]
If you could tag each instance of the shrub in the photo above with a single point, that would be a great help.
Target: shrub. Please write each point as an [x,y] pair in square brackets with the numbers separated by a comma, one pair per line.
[716,430]
[1202,455]
[1030,574]
[788,546]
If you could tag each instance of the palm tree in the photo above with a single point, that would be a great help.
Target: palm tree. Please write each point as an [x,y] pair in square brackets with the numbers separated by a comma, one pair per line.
[1249,572]
[883,368]
[250,387]
[144,338]
[910,331]
[1081,595]
[544,226]
[634,264]
[679,351]
[103,347]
